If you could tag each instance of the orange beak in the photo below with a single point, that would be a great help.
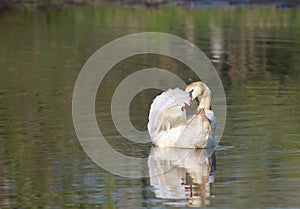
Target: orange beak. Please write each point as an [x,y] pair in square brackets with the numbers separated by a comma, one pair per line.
[184,106]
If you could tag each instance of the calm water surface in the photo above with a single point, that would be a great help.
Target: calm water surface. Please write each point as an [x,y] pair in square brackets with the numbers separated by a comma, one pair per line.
[256,52]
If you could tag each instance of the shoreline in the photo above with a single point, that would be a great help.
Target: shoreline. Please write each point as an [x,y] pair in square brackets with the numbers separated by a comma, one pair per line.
[198,4]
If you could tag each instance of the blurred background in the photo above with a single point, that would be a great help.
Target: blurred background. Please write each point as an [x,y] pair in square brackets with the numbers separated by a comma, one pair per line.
[253,44]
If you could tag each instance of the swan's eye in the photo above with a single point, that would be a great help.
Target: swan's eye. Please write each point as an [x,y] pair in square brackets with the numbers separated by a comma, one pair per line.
[191,93]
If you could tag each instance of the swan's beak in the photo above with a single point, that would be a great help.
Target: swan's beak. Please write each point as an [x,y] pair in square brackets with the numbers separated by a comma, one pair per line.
[185,106]
[190,92]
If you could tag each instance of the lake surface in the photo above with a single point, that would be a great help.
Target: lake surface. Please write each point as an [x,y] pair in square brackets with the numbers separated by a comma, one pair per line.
[256,53]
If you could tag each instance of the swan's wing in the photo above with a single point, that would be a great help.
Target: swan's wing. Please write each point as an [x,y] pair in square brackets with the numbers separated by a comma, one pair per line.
[199,132]
[196,134]
[212,119]
[165,112]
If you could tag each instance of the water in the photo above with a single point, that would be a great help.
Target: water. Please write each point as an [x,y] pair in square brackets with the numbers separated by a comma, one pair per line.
[256,53]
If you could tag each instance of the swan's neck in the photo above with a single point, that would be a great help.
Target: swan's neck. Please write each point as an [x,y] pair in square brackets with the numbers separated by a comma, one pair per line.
[204,102]
[204,99]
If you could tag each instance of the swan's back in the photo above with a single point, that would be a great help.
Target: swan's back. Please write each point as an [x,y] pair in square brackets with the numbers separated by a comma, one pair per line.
[166,113]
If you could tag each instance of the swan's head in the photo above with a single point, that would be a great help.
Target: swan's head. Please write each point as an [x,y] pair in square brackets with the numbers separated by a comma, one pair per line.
[200,92]
[195,89]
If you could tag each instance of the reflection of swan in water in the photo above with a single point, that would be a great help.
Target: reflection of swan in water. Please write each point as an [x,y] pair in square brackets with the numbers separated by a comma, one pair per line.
[182,174]
[169,126]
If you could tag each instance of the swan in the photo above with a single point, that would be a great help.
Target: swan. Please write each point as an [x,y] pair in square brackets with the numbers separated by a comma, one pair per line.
[169,125]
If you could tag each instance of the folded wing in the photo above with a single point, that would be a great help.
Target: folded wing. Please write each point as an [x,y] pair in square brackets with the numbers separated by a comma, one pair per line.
[166,111]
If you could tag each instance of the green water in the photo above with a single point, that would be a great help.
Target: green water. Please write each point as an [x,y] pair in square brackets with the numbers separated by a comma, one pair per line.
[256,52]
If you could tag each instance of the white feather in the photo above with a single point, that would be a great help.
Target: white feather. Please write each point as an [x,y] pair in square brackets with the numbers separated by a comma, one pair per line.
[166,110]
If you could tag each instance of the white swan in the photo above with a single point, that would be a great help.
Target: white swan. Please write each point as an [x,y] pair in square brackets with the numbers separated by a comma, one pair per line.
[169,125]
